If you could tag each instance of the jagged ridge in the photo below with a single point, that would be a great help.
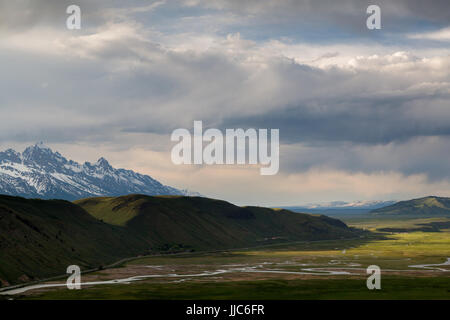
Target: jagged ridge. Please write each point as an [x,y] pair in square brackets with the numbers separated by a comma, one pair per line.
[39,172]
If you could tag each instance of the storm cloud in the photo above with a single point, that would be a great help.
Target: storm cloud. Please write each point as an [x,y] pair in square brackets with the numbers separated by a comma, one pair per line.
[346,101]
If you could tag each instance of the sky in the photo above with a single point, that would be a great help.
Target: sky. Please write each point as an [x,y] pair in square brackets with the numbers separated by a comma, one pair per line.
[363,114]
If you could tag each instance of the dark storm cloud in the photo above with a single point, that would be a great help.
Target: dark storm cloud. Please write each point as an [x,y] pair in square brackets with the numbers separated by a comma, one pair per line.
[364,105]
[368,122]
[415,156]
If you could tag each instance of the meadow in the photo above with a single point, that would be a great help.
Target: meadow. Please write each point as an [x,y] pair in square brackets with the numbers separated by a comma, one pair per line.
[300,270]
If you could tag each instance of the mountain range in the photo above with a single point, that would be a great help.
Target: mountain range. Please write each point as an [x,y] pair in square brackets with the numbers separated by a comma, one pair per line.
[426,206]
[362,204]
[38,172]
[342,208]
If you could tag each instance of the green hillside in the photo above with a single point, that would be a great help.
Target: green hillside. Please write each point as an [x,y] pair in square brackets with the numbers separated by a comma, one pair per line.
[203,223]
[40,238]
[417,207]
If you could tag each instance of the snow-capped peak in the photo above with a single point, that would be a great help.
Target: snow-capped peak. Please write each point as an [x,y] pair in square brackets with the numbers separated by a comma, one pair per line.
[102,162]
[360,204]
[40,172]
[41,145]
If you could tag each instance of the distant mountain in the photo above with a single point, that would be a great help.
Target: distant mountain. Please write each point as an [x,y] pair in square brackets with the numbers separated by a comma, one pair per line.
[364,204]
[39,172]
[341,208]
[40,238]
[423,206]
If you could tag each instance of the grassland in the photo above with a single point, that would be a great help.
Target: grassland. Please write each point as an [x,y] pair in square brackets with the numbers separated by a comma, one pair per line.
[392,288]
[287,271]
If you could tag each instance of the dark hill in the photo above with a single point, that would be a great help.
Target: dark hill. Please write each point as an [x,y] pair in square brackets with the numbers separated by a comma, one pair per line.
[40,238]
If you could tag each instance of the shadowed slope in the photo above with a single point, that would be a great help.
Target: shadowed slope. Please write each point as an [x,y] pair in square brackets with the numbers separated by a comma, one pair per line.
[206,223]
[39,238]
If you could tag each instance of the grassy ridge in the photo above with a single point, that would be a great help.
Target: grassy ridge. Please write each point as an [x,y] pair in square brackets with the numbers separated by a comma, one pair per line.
[417,207]
[203,223]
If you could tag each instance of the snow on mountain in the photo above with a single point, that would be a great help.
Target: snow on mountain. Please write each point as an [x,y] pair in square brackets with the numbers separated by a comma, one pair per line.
[38,172]
[365,204]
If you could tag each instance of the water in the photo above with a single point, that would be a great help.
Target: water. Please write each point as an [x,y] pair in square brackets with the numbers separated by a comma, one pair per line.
[254,269]
[236,268]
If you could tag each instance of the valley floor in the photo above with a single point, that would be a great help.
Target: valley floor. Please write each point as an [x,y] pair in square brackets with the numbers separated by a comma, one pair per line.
[414,265]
